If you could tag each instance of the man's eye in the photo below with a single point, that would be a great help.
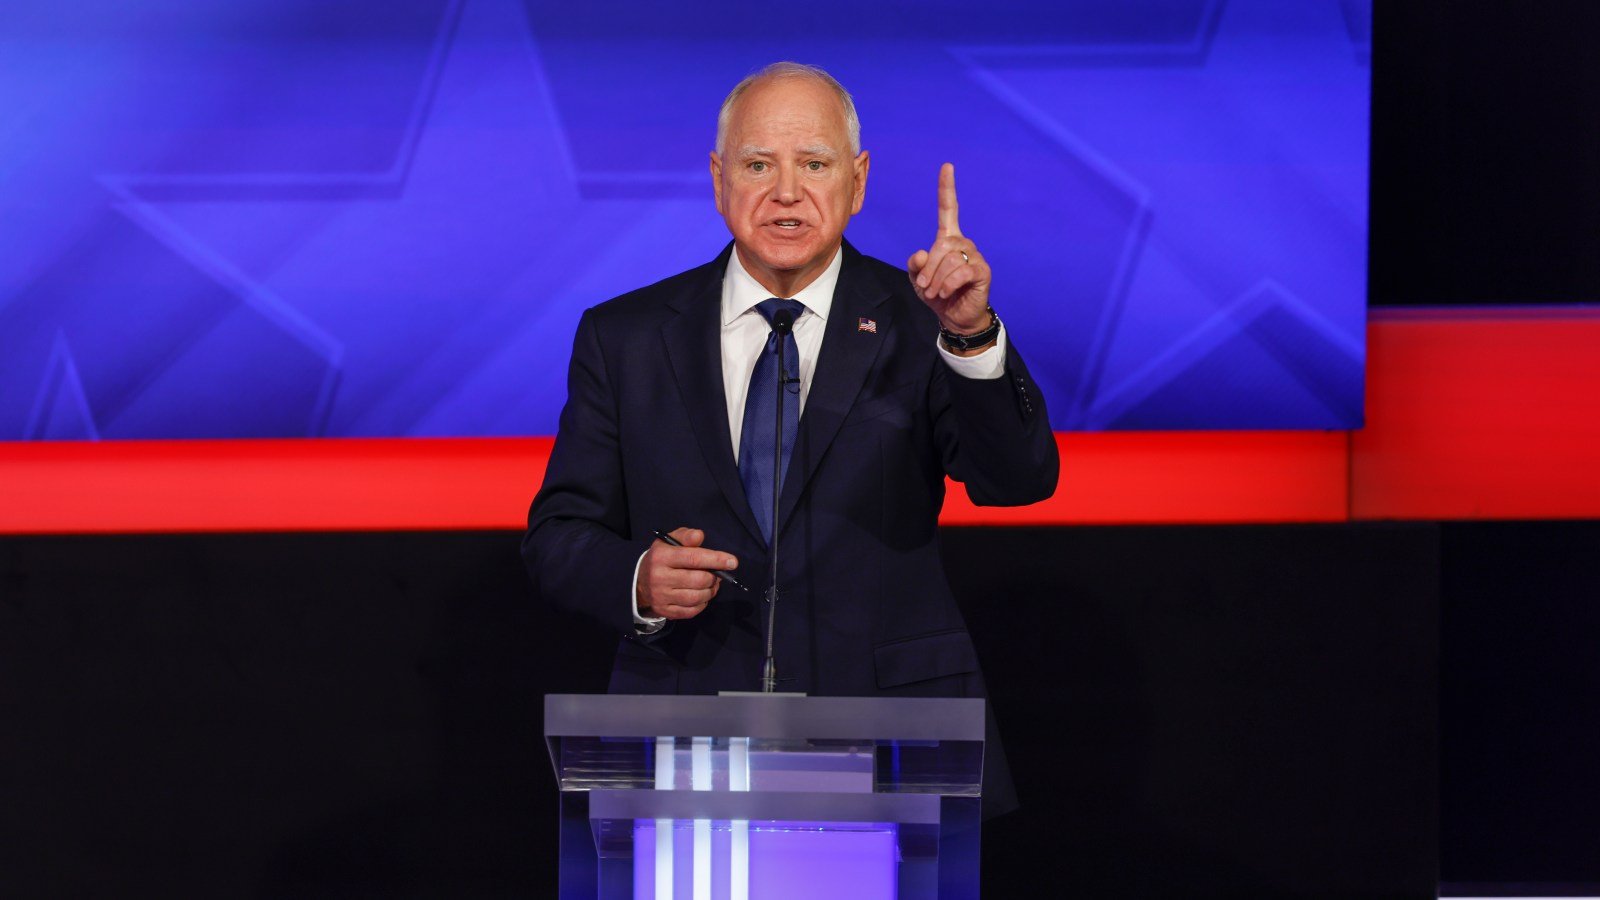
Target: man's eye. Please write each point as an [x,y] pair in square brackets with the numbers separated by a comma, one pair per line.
[758,167]
[814,165]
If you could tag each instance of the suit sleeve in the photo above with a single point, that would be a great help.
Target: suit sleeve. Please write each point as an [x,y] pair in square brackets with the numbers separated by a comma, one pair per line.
[577,549]
[994,434]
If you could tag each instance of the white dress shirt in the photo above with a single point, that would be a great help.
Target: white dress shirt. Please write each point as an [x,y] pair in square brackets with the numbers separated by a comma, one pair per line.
[744,336]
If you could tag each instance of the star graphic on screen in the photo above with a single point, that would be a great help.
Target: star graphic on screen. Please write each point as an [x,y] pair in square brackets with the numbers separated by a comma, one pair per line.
[543,168]
[1229,253]
[476,237]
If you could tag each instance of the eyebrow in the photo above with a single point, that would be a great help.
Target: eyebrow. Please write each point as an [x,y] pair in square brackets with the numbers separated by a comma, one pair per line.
[822,150]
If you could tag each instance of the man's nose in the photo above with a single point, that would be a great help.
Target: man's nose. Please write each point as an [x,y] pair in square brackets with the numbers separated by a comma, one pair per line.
[788,188]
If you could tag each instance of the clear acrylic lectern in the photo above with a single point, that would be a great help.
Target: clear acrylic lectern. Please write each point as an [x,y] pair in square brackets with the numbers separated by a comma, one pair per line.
[766,797]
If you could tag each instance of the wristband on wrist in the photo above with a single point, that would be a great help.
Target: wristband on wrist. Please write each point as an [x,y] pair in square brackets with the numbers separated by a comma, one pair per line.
[960,342]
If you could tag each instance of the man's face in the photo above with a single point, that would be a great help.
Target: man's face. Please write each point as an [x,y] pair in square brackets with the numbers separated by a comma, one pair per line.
[785,181]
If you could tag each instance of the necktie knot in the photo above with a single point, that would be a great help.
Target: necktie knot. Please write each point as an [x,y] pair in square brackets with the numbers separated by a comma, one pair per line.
[769,308]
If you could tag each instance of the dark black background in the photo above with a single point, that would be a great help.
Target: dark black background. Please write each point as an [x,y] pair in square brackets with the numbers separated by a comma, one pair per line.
[1189,711]
[1485,152]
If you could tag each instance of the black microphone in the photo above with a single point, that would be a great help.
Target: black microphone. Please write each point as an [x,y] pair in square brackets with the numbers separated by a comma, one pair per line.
[782,324]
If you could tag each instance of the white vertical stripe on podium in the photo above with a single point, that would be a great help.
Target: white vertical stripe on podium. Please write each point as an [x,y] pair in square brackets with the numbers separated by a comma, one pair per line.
[665,768]
[739,829]
[700,780]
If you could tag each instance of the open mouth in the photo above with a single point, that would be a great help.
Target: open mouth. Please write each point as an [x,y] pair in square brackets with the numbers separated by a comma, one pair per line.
[787,224]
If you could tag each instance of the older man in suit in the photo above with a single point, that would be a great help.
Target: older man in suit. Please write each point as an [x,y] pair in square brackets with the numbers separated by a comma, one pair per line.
[895,380]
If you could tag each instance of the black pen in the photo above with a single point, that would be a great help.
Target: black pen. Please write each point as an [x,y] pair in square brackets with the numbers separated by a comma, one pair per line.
[671,541]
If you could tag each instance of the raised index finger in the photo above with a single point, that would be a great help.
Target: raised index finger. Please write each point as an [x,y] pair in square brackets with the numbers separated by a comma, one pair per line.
[947,200]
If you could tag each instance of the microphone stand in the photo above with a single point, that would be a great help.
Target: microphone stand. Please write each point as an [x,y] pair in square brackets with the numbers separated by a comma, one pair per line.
[782,323]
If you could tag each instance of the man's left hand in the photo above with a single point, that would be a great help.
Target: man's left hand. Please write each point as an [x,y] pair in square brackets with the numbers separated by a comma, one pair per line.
[952,276]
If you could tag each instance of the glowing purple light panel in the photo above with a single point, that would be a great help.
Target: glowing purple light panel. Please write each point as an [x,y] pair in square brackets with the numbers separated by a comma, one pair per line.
[785,861]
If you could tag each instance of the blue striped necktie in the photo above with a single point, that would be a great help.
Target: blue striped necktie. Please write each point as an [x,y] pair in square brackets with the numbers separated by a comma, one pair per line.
[760,415]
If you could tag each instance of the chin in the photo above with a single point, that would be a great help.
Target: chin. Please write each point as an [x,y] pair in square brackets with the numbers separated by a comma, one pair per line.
[786,256]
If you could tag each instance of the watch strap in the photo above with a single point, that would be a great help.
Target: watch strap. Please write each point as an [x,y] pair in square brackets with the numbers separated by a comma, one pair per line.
[960,342]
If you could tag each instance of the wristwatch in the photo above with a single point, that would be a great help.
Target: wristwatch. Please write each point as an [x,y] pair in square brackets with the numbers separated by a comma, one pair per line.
[959,342]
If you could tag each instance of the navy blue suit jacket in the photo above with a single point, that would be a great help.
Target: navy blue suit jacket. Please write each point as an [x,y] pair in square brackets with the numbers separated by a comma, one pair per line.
[864,607]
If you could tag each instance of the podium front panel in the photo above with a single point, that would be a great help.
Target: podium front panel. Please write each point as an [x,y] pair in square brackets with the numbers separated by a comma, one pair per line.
[772,797]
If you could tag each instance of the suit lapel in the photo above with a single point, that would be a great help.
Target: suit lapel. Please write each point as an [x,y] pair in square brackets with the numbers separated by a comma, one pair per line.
[693,340]
[847,357]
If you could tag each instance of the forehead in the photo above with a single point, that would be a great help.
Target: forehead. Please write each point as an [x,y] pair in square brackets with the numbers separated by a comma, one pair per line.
[794,108]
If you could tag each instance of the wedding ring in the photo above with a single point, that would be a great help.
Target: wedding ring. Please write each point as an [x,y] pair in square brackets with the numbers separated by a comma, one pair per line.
[964,257]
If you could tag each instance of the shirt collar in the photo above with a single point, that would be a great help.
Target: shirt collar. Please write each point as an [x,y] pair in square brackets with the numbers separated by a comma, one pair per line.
[741,292]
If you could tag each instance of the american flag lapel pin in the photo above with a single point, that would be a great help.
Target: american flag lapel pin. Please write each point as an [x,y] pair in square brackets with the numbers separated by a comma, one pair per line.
[867,325]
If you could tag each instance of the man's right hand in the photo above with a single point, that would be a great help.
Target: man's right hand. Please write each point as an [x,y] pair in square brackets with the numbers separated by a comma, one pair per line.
[676,582]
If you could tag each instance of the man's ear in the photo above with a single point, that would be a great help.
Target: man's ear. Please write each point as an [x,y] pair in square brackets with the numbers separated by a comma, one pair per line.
[716,179]
[860,164]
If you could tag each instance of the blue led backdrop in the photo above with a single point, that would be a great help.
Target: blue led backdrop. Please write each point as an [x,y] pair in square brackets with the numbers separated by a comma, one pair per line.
[299,218]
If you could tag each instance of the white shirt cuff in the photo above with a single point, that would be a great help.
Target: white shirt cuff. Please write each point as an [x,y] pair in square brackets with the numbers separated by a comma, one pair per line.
[642,624]
[986,366]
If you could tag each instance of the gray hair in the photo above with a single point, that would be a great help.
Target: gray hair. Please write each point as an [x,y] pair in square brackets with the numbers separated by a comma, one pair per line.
[852,122]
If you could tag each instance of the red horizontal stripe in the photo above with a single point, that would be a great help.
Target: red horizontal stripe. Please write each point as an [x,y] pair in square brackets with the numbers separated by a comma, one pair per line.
[1183,476]
[1469,415]
[269,485]
[1480,414]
